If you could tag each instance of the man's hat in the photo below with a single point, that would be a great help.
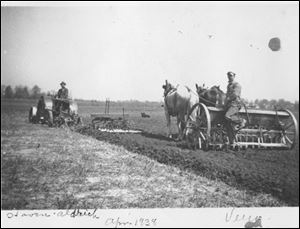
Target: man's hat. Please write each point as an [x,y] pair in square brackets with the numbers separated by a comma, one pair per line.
[230,73]
[63,83]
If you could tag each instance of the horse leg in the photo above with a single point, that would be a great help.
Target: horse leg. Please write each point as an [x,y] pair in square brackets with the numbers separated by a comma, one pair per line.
[181,126]
[168,118]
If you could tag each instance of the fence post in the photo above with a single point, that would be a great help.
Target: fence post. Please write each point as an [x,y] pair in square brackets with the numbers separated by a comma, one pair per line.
[106,111]
[108,102]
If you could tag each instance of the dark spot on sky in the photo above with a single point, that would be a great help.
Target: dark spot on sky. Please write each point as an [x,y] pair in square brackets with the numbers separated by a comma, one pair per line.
[274,44]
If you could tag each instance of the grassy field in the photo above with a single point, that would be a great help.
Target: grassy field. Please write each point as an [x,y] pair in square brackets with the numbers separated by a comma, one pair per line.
[55,168]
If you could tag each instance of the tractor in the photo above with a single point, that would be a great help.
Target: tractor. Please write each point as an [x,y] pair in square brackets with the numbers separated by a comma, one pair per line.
[55,112]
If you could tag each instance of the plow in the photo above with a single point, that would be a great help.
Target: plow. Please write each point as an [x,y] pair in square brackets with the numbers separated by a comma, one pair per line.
[265,129]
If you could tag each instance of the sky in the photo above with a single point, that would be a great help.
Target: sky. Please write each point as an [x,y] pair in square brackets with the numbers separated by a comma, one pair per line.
[126,51]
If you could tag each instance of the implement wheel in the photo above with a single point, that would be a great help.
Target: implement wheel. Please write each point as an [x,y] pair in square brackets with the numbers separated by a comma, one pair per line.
[289,129]
[50,118]
[199,125]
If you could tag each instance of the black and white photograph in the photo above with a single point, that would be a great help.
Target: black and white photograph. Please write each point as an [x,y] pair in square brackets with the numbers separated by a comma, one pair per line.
[150,114]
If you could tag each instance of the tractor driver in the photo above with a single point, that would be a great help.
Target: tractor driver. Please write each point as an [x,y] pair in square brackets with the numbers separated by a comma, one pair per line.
[233,103]
[63,91]
[62,94]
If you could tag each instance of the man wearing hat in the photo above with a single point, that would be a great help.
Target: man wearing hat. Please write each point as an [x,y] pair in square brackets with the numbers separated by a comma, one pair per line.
[233,104]
[63,92]
[63,95]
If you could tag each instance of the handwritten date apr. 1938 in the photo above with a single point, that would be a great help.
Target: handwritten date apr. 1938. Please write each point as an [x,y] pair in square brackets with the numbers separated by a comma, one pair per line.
[140,222]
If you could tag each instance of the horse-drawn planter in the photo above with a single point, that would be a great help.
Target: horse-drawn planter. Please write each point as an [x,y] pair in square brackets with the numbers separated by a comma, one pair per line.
[264,129]
[55,112]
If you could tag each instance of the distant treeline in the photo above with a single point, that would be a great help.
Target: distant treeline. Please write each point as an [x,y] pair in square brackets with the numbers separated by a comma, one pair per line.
[22,92]
[35,92]
[272,104]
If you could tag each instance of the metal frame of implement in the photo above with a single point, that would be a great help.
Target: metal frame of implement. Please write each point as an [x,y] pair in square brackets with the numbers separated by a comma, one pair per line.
[264,129]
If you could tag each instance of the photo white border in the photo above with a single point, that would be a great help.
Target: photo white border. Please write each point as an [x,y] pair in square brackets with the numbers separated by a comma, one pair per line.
[276,217]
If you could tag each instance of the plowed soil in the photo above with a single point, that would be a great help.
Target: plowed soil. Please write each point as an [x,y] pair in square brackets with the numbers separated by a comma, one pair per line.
[275,172]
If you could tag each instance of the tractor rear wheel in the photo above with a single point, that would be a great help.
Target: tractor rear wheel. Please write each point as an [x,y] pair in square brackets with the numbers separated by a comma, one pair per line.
[32,117]
[50,118]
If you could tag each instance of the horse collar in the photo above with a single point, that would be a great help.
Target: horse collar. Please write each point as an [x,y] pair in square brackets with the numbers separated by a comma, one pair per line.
[169,91]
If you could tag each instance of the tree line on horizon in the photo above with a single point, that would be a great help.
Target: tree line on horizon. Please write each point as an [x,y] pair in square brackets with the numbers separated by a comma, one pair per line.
[23,92]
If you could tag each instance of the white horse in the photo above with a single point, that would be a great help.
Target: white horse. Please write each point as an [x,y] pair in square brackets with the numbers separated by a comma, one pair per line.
[178,102]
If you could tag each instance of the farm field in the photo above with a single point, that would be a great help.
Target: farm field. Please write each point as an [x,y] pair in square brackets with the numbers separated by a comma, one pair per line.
[55,168]
[275,172]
